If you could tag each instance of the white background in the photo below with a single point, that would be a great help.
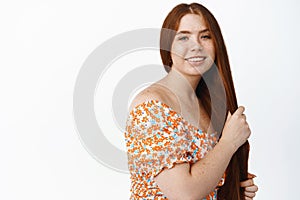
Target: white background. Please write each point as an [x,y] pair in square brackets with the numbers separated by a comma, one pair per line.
[43,45]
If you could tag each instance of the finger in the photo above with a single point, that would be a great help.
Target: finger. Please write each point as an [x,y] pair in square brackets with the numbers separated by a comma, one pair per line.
[243,116]
[250,194]
[252,188]
[248,198]
[239,111]
[251,175]
[247,183]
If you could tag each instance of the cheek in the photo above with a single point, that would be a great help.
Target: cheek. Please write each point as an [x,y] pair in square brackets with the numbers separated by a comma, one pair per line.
[211,52]
[178,50]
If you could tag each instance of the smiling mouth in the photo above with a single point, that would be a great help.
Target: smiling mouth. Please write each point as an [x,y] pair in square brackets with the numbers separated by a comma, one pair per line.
[195,59]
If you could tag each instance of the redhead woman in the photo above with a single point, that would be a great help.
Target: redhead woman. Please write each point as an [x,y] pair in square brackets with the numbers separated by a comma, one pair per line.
[186,137]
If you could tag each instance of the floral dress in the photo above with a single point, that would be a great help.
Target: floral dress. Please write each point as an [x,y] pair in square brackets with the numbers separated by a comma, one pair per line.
[156,138]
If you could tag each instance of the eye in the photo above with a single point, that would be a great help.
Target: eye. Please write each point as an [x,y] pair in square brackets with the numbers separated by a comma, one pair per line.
[183,38]
[205,37]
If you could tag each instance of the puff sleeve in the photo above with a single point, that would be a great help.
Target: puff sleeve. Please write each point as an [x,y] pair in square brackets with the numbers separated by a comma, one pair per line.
[157,138]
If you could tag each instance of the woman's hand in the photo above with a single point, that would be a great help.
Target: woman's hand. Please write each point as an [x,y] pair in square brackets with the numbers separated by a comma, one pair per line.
[250,187]
[236,129]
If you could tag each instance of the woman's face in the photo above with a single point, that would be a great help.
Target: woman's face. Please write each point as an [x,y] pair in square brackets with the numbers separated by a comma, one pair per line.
[192,51]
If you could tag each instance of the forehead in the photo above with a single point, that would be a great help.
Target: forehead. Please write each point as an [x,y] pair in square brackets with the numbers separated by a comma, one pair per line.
[192,22]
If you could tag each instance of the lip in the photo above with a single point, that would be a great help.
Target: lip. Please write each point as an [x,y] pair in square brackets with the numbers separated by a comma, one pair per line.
[195,57]
[195,60]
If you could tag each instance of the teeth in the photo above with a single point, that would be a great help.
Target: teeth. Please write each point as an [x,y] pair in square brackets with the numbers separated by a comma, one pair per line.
[198,59]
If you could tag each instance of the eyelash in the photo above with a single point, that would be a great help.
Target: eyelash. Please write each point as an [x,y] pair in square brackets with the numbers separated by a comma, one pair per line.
[183,38]
[206,37]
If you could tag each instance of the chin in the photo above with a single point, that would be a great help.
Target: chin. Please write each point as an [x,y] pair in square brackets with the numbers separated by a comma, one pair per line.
[199,70]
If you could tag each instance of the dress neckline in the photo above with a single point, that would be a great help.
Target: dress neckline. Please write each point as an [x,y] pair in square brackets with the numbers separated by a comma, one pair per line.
[176,113]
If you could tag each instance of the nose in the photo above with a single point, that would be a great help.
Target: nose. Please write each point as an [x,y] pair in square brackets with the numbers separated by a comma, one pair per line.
[196,45]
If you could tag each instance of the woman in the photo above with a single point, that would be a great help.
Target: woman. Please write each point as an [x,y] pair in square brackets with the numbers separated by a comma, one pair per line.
[180,143]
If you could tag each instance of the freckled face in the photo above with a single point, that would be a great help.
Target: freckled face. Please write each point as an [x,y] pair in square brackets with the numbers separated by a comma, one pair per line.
[192,50]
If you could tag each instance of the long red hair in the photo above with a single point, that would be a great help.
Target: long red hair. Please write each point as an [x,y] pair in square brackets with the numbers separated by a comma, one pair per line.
[215,89]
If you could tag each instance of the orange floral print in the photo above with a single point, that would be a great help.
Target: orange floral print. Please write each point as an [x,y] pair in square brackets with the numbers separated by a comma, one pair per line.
[157,137]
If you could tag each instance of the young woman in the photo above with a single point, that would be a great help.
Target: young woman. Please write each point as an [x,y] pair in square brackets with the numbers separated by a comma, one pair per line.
[182,140]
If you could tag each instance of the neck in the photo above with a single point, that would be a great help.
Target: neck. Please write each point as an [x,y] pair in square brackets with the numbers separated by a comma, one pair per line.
[184,86]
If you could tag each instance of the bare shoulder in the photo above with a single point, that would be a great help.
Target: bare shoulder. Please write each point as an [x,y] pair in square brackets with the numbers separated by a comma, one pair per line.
[155,92]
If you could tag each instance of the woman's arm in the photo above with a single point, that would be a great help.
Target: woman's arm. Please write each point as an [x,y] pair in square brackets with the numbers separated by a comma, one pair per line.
[193,182]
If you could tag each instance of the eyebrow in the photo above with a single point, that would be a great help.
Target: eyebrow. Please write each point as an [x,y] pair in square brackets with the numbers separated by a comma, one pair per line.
[188,32]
